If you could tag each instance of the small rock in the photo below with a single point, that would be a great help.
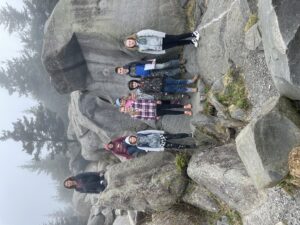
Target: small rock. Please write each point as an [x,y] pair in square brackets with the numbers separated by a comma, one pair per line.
[253,38]
[200,197]
[237,113]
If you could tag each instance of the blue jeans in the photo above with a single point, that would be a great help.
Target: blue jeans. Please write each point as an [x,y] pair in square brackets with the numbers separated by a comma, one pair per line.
[175,86]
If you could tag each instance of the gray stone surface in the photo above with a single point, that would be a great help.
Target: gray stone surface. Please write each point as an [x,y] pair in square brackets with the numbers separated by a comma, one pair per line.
[279,207]
[200,197]
[280,26]
[122,220]
[222,172]
[81,52]
[183,215]
[237,113]
[149,183]
[265,143]
[253,38]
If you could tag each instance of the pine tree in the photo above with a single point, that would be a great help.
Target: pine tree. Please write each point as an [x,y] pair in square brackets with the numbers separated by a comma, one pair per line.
[14,20]
[44,130]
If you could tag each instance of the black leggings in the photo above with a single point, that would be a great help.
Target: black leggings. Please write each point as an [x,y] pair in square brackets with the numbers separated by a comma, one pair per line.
[176,136]
[170,145]
[171,41]
[165,109]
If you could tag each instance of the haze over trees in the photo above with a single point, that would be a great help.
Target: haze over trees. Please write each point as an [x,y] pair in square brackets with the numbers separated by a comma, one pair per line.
[42,129]
[25,74]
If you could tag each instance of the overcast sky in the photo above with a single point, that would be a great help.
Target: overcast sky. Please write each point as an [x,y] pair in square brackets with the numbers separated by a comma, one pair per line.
[25,198]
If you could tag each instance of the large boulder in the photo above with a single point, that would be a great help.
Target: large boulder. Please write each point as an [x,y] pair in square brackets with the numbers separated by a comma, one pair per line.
[264,144]
[222,172]
[81,52]
[148,183]
[280,26]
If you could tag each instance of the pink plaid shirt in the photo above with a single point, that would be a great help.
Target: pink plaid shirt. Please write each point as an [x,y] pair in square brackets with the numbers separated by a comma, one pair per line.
[146,109]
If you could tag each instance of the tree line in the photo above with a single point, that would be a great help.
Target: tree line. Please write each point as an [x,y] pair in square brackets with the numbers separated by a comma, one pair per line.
[42,130]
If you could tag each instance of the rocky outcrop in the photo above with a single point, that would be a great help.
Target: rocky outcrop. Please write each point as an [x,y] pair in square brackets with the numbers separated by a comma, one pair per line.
[81,52]
[280,26]
[221,171]
[148,183]
[279,206]
[265,143]
[182,215]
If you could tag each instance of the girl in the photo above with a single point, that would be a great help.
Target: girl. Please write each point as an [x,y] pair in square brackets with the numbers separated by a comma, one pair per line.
[156,42]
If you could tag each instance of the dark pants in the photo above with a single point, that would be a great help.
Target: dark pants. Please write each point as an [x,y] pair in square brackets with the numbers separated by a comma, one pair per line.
[169,137]
[171,41]
[166,109]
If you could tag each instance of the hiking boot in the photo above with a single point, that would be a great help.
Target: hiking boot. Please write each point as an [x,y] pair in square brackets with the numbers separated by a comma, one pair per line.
[196,34]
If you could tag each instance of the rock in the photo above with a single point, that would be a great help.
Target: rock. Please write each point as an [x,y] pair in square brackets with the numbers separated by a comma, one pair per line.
[237,113]
[221,171]
[279,206]
[81,52]
[100,216]
[181,215]
[280,27]
[81,204]
[199,197]
[222,38]
[96,217]
[148,183]
[253,38]
[223,221]
[122,220]
[265,143]
[183,2]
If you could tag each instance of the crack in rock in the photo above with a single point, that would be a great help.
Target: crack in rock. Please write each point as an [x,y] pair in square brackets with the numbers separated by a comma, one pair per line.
[219,17]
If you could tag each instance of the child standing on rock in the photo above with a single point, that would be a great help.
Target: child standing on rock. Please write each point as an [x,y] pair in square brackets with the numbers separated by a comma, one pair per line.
[156,42]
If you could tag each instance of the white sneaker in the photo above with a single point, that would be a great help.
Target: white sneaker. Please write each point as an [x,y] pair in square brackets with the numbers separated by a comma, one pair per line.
[196,34]
[195,42]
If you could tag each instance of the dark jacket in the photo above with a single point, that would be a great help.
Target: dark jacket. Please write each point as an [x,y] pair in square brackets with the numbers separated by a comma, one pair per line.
[90,182]
[152,85]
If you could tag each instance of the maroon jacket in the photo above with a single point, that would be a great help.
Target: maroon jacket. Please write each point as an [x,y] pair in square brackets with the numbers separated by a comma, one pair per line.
[120,148]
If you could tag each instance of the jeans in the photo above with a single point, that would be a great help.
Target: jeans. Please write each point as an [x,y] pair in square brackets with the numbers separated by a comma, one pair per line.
[168,65]
[175,86]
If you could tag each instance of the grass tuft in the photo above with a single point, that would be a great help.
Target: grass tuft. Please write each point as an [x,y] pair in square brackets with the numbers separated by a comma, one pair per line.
[288,185]
[235,91]
[181,161]
[190,15]
[253,18]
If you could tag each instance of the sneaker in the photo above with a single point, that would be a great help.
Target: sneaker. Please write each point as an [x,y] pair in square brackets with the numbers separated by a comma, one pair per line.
[196,34]
[195,42]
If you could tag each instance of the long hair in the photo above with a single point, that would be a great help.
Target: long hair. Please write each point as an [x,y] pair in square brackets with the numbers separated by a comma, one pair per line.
[130,83]
[132,37]
[72,178]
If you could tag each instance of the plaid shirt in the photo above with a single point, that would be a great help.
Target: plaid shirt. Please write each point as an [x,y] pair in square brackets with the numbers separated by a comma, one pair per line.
[146,109]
